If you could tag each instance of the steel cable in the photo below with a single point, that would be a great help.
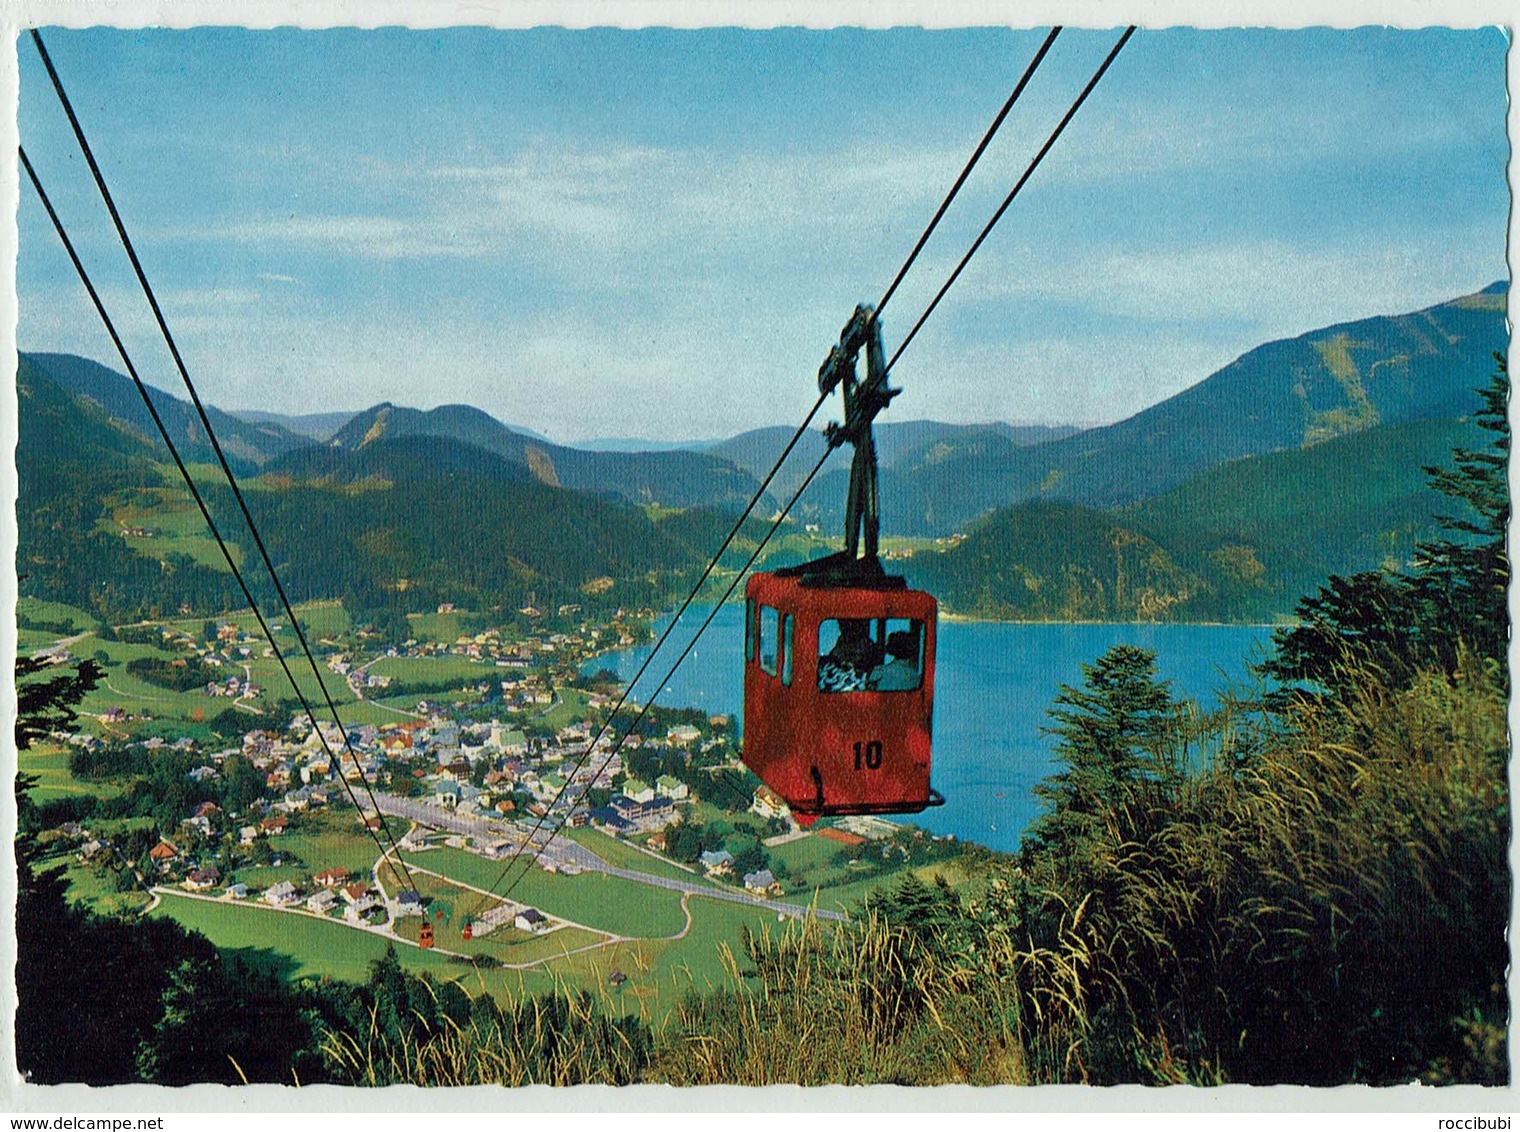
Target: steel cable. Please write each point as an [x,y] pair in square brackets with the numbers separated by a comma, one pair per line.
[200,501]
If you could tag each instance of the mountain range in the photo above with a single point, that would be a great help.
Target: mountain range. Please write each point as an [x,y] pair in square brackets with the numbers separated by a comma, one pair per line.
[1300,458]
[1281,395]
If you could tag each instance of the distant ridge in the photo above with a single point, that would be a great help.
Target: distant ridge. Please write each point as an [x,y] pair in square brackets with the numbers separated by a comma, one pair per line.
[897,443]
[247,444]
[1282,395]
[1240,541]
[668,479]
[316,426]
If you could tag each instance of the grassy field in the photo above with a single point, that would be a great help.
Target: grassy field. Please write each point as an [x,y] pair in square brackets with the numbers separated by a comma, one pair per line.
[552,948]
[569,706]
[93,886]
[434,669]
[658,971]
[322,619]
[445,628]
[36,609]
[299,945]
[48,763]
[621,855]
[177,526]
[697,959]
[811,854]
[318,840]
[610,904]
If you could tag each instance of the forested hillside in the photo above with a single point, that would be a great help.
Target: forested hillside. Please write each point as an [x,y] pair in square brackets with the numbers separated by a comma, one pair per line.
[106,524]
[1236,542]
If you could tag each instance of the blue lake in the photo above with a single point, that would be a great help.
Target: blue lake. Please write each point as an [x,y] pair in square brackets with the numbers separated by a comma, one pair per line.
[994,683]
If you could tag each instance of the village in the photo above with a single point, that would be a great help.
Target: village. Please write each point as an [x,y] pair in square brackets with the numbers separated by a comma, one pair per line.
[513,765]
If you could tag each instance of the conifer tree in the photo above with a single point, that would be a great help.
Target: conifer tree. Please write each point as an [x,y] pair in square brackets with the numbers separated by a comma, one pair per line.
[1111,733]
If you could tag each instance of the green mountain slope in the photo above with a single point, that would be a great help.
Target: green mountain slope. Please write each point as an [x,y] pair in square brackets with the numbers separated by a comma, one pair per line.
[1283,395]
[76,465]
[445,521]
[106,525]
[1242,541]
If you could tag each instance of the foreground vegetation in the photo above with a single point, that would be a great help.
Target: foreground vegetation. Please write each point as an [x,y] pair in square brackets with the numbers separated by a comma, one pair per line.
[1308,887]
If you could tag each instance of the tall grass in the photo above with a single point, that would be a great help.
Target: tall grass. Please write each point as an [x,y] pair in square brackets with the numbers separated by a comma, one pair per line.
[866,1003]
[1331,909]
[566,1037]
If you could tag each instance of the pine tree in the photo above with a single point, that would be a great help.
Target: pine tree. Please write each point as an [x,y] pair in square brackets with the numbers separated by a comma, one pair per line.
[1113,733]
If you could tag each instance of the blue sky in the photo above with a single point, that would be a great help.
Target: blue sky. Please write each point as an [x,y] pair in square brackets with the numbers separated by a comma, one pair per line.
[659,233]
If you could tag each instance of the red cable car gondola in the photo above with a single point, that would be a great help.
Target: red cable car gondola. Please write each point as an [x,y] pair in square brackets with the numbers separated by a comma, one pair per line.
[839,654]
[425,935]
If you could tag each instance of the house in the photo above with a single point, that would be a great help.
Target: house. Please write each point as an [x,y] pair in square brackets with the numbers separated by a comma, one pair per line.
[651,811]
[331,878]
[633,788]
[282,895]
[761,881]
[766,804]
[248,835]
[614,825]
[717,862]
[408,904]
[683,735]
[672,787]
[531,920]
[316,768]
[362,907]
[237,891]
[322,902]
[355,892]
[202,879]
[163,854]
[274,826]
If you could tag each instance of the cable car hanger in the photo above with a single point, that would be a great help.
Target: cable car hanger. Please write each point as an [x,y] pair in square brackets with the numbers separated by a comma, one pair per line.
[839,654]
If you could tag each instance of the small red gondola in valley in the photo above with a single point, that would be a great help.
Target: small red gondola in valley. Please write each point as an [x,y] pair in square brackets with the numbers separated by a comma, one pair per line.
[425,936]
[839,654]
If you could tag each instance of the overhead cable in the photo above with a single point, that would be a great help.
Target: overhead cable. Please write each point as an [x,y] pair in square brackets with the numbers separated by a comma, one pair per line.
[200,501]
